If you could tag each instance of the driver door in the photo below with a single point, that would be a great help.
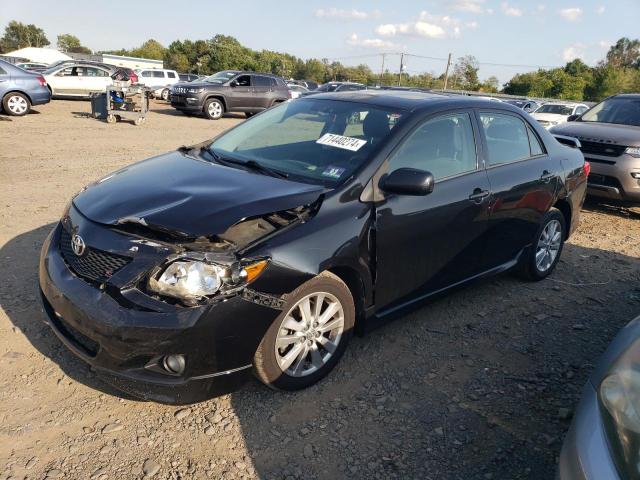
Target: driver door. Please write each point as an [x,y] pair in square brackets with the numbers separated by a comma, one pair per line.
[242,95]
[426,243]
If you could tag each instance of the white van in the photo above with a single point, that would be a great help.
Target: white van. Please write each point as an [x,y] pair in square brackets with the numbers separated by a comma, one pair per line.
[159,80]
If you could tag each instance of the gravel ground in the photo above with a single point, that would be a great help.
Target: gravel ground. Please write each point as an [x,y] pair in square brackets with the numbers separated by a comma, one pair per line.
[480,384]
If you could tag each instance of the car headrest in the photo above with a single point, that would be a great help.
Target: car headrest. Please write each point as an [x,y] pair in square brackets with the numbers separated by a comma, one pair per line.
[376,125]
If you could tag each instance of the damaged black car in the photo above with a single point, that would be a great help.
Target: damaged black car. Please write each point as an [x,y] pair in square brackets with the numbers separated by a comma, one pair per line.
[263,250]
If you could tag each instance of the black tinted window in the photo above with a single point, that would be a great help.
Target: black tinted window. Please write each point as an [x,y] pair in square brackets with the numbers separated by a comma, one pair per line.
[244,81]
[158,74]
[507,139]
[146,73]
[259,81]
[443,146]
[171,75]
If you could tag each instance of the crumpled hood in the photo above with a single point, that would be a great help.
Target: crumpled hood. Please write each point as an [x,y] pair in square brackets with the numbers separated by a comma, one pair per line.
[626,135]
[185,195]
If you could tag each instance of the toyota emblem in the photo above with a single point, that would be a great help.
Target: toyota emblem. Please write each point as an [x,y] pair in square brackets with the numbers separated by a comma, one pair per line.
[77,244]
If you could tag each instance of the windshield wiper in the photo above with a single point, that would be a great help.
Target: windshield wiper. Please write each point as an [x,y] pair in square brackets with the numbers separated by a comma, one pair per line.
[250,164]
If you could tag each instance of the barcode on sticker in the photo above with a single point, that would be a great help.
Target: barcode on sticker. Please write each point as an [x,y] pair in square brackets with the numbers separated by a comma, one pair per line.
[338,141]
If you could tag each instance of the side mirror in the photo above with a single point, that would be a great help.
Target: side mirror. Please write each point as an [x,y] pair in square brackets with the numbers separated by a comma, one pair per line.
[407,181]
[572,118]
[234,83]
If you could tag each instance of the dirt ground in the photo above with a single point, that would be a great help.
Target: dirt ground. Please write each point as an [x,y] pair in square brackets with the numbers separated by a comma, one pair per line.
[480,384]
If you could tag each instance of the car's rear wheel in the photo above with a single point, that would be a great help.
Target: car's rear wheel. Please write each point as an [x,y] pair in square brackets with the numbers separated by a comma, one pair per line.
[308,338]
[213,109]
[249,114]
[16,104]
[543,256]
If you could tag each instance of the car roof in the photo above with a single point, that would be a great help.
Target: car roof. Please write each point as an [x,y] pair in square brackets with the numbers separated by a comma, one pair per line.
[627,95]
[410,100]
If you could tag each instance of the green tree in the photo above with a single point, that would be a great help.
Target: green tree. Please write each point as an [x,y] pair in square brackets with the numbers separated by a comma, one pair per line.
[625,53]
[71,43]
[18,35]
[466,71]
[150,49]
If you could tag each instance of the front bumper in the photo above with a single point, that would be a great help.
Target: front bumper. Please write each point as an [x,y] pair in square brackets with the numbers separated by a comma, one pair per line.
[611,177]
[187,102]
[125,340]
[585,453]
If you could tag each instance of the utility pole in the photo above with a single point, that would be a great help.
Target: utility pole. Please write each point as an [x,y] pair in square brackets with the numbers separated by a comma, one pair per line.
[382,69]
[401,68]
[446,73]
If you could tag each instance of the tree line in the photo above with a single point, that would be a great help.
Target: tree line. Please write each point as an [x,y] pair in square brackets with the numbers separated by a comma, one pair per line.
[618,72]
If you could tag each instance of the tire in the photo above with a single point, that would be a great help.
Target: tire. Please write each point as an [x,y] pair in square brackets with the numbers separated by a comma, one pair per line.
[306,368]
[213,109]
[249,114]
[164,95]
[16,104]
[538,261]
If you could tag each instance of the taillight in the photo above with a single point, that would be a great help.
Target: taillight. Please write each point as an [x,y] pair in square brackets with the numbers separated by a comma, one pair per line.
[42,81]
[134,78]
[587,168]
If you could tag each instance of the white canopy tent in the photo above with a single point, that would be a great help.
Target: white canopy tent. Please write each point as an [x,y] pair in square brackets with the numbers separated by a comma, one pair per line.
[40,55]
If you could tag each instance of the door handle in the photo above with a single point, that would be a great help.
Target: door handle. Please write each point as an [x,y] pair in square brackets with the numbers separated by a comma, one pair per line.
[546,176]
[478,195]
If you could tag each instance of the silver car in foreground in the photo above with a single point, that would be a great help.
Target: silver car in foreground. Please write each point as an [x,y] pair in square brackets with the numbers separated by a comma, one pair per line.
[603,442]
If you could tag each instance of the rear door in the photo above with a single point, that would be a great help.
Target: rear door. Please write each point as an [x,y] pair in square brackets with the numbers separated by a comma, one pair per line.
[263,91]
[67,81]
[524,181]
[426,243]
[95,79]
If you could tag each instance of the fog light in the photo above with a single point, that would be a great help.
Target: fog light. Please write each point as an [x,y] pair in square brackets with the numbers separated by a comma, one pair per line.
[174,364]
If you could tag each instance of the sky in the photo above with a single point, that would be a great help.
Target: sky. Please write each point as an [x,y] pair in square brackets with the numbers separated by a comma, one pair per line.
[518,33]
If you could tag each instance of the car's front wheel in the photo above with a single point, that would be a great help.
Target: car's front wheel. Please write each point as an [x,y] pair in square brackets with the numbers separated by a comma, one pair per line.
[543,256]
[308,338]
[16,104]
[213,109]
[165,95]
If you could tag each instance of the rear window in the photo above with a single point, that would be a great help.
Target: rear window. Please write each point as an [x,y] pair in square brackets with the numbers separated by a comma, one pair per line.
[507,138]
[171,75]
[260,81]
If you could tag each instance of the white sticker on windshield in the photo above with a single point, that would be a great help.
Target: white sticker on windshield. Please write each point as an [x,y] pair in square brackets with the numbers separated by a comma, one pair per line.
[338,141]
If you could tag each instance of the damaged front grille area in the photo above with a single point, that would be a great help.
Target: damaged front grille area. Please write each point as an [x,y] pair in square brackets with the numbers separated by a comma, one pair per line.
[93,265]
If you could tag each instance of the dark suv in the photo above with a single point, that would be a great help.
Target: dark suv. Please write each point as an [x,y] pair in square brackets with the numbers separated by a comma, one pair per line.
[230,91]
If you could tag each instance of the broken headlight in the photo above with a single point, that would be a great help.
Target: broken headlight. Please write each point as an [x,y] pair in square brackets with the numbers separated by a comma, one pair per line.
[192,280]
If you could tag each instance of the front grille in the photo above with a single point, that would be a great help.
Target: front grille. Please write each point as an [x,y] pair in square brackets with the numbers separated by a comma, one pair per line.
[605,149]
[597,179]
[94,265]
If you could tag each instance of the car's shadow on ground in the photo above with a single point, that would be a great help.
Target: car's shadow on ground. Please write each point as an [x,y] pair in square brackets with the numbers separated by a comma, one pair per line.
[473,385]
[612,208]
[20,299]
[167,109]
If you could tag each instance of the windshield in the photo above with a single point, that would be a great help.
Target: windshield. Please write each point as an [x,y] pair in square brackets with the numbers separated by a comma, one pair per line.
[310,140]
[620,110]
[221,77]
[556,109]
[328,87]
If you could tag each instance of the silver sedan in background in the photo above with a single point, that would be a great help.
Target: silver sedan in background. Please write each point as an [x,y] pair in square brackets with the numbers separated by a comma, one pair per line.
[603,442]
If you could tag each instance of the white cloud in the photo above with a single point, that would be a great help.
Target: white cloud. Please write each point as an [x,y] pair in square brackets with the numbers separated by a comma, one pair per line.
[541,8]
[471,6]
[510,11]
[601,9]
[605,44]
[369,42]
[427,25]
[340,14]
[571,14]
[577,50]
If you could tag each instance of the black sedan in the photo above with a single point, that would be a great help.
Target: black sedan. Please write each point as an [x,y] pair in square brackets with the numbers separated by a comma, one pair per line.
[264,249]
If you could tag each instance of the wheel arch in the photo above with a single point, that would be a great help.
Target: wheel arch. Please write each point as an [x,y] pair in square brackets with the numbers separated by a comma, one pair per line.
[218,97]
[354,282]
[15,90]
[564,206]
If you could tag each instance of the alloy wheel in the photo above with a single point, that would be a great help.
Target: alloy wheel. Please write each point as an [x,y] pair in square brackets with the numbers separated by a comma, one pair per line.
[309,334]
[215,110]
[548,245]
[17,104]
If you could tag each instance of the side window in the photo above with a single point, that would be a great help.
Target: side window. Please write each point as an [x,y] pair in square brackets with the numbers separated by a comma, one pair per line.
[259,81]
[536,147]
[158,74]
[171,75]
[146,73]
[507,139]
[244,81]
[95,72]
[443,145]
[67,72]
[580,110]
